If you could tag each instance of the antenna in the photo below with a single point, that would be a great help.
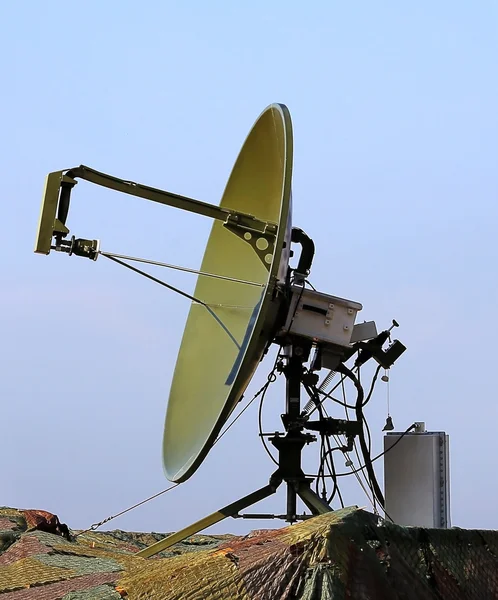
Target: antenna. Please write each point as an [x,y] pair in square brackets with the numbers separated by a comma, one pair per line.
[246,298]
[238,321]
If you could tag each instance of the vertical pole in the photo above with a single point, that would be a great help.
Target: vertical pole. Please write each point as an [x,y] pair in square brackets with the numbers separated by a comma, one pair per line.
[293,374]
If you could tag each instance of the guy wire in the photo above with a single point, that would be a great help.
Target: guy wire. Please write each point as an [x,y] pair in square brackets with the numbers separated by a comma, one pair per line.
[97,525]
[270,380]
[178,268]
[262,390]
[178,291]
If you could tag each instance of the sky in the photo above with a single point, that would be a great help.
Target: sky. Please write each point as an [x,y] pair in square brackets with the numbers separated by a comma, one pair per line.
[395,179]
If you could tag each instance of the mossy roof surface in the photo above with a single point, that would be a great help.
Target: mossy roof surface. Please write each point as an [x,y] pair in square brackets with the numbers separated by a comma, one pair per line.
[341,555]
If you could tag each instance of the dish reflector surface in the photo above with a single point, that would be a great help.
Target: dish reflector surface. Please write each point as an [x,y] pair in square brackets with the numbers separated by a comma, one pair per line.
[223,343]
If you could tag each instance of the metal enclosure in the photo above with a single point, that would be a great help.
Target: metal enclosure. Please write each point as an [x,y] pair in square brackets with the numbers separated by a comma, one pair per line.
[321,317]
[417,479]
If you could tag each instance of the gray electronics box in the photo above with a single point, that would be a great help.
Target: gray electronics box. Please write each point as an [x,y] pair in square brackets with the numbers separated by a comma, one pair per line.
[321,318]
[417,479]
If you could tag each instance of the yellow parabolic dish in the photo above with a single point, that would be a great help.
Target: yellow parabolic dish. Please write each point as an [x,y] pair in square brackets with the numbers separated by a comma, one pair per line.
[223,344]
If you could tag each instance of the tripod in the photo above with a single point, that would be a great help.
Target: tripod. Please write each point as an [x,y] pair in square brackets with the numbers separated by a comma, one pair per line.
[289,446]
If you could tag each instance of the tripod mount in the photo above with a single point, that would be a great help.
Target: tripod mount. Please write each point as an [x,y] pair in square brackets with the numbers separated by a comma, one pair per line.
[289,446]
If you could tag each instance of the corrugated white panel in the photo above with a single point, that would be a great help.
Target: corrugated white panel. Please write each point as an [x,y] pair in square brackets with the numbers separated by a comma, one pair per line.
[416,479]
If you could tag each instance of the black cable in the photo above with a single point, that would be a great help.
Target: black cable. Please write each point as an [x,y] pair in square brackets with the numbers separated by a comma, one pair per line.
[319,476]
[324,455]
[321,470]
[369,446]
[369,436]
[271,378]
[295,309]
[332,472]
[363,423]
[363,444]
[353,471]
[372,385]
[355,447]
[312,393]
[155,279]
[239,415]
[260,421]
[178,291]
[328,395]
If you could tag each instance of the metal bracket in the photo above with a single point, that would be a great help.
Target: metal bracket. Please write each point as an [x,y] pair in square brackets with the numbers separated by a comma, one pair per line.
[80,247]
[59,184]
[49,224]
[261,240]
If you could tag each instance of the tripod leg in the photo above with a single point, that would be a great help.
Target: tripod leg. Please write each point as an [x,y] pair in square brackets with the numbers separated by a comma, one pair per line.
[223,513]
[312,500]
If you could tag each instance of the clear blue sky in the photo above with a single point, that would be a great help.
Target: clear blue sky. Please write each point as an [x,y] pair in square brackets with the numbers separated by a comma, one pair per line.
[394,106]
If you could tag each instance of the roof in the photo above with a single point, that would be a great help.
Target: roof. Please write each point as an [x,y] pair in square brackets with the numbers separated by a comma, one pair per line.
[345,554]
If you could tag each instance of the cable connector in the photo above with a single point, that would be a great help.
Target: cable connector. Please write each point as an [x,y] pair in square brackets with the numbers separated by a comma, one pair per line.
[80,247]
[330,426]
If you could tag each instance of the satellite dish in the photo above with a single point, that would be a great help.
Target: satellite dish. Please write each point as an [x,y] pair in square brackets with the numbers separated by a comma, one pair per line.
[224,339]
[246,298]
